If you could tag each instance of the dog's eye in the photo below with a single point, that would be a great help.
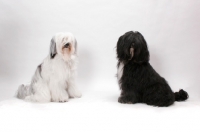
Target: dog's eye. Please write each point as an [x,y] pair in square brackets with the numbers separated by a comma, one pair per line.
[66,45]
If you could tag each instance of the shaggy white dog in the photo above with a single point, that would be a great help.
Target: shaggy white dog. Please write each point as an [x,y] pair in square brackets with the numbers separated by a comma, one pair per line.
[54,79]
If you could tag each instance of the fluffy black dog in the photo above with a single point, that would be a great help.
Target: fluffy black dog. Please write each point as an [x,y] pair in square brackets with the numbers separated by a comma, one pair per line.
[138,81]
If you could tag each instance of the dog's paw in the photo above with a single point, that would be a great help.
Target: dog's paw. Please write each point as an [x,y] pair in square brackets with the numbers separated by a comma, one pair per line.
[63,100]
[124,100]
[62,97]
[77,94]
[74,93]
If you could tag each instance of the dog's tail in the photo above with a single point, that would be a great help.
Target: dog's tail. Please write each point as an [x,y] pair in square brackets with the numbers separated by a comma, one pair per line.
[23,91]
[26,90]
[181,95]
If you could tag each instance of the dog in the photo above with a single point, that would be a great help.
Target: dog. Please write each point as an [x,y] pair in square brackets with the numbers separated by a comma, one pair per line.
[54,78]
[138,81]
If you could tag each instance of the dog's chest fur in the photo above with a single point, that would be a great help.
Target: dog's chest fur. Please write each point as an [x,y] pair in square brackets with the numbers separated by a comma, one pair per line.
[120,71]
[57,69]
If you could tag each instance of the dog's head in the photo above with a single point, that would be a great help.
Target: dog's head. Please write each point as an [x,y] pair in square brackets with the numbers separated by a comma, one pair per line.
[64,45]
[132,47]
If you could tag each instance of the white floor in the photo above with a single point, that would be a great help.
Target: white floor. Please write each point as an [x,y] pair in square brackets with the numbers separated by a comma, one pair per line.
[98,111]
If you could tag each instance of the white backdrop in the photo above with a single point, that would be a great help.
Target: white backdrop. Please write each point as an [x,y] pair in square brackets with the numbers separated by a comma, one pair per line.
[170,27]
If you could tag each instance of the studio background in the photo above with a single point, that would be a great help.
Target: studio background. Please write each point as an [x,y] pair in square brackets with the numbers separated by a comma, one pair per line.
[170,27]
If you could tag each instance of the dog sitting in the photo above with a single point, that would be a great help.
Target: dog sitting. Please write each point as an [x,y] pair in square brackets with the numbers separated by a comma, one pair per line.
[54,79]
[138,81]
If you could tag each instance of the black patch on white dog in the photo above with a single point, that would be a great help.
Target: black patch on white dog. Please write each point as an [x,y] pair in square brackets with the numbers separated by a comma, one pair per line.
[53,50]
[40,69]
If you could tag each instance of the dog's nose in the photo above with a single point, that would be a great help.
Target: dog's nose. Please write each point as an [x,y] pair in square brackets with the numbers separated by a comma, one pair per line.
[66,45]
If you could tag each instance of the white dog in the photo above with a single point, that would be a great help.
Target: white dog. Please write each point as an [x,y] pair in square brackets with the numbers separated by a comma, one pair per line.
[54,79]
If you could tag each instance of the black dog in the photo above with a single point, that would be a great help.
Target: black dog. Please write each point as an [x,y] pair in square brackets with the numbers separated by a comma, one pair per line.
[138,81]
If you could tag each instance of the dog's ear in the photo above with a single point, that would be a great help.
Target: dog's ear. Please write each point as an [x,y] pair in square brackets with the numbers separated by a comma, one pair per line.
[131,52]
[53,51]
[120,50]
[75,45]
[141,52]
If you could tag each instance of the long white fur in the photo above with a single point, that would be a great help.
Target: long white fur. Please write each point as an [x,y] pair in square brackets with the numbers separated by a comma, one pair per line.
[54,79]
[120,72]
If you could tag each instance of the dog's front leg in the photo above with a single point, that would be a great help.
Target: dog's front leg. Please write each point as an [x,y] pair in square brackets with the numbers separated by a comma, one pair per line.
[58,92]
[127,98]
[72,90]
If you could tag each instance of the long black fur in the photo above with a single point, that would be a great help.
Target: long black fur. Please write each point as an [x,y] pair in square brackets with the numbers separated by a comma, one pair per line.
[140,83]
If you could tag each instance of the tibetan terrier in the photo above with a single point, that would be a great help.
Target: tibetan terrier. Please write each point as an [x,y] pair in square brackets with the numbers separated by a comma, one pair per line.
[54,78]
[138,81]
